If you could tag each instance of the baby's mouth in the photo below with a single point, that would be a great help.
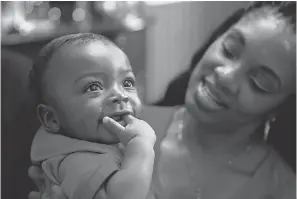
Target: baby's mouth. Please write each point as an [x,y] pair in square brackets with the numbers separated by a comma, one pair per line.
[119,117]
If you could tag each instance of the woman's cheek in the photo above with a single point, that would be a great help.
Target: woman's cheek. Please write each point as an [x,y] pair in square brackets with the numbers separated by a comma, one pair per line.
[249,104]
[257,104]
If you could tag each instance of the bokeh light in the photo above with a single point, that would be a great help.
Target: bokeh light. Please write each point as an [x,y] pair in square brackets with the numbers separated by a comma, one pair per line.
[54,14]
[78,14]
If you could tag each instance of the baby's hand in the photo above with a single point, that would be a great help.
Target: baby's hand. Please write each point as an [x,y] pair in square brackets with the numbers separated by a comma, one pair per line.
[135,128]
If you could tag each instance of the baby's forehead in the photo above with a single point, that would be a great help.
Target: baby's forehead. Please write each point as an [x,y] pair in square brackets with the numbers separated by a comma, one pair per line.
[89,52]
[88,57]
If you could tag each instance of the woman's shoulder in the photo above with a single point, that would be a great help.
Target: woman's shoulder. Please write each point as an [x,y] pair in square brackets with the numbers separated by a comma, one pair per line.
[258,156]
[267,172]
[279,176]
[275,163]
[280,167]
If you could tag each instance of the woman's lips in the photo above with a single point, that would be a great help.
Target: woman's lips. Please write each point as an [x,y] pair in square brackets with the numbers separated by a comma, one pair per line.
[208,99]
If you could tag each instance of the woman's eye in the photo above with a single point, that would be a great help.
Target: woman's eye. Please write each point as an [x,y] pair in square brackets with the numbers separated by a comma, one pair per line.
[227,53]
[228,50]
[93,87]
[258,85]
[232,48]
[128,83]
[264,83]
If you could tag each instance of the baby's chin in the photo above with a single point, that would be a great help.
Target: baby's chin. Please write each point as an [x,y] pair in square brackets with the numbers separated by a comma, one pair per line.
[101,136]
[108,140]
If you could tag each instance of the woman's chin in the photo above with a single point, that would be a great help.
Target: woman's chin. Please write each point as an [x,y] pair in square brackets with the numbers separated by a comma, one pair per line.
[203,112]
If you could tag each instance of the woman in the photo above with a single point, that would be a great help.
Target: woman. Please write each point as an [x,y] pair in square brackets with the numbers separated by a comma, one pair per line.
[212,147]
[284,143]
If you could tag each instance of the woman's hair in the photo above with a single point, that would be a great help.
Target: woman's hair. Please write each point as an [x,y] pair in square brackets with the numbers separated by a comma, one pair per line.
[40,65]
[282,134]
[285,125]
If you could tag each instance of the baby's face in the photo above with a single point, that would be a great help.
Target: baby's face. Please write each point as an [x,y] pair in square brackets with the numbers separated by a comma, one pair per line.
[85,83]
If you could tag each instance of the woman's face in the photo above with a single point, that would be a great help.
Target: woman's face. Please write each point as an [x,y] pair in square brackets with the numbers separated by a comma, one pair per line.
[245,73]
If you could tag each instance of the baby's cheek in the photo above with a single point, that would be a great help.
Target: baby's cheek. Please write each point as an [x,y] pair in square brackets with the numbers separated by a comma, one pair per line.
[85,111]
[86,121]
[94,105]
[136,103]
[67,113]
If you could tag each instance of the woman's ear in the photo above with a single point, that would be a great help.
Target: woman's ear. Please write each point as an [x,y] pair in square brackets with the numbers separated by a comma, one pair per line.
[48,117]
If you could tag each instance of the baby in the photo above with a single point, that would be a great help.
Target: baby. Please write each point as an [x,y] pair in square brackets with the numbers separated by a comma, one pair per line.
[90,143]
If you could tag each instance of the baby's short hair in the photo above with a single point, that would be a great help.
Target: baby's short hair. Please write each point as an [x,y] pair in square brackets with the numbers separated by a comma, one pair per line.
[40,65]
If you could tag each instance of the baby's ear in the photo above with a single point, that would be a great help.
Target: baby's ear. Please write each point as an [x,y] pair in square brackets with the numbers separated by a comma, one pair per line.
[48,117]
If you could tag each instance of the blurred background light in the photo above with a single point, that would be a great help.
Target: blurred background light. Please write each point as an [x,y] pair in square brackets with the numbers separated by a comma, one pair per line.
[54,14]
[38,3]
[26,28]
[133,22]
[158,3]
[78,14]
[110,6]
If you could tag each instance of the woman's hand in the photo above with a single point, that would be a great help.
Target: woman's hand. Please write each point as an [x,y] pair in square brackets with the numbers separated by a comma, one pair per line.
[37,175]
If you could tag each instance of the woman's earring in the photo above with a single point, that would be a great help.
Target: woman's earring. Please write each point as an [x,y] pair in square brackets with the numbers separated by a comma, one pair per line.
[267,128]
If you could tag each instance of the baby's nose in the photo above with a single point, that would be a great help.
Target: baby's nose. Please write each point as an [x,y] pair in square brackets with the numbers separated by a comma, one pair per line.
[117,96]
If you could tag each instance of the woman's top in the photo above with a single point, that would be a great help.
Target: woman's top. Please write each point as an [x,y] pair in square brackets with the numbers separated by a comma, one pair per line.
[255,171]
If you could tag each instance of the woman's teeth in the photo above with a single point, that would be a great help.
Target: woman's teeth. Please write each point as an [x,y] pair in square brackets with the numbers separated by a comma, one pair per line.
[206,98]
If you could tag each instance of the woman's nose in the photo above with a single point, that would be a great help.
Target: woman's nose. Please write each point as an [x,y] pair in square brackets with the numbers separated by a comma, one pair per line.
[228,79]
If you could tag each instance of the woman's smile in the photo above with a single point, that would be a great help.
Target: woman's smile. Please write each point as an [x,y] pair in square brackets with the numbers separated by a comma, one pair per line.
[207,98]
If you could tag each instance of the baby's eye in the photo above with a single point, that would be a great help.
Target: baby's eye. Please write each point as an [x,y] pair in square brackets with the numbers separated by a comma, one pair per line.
[128,83]
[93,87]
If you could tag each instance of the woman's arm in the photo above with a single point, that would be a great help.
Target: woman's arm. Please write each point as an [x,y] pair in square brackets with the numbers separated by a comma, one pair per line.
[36,174]
[132,180]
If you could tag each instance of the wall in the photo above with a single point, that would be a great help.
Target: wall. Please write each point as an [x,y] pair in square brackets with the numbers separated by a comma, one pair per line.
[178,30]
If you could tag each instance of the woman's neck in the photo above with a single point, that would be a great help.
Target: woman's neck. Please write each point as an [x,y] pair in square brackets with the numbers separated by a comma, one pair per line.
[215,139]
